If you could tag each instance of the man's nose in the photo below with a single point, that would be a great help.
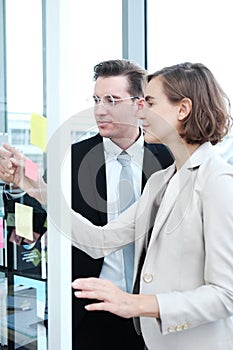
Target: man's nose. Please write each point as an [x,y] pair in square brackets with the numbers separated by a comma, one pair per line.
[100,109]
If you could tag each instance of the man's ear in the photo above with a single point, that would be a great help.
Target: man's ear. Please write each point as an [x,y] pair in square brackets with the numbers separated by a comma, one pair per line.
[185,108]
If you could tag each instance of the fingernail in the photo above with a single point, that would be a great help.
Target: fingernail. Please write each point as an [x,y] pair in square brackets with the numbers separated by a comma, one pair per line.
[78,294]
[74,284]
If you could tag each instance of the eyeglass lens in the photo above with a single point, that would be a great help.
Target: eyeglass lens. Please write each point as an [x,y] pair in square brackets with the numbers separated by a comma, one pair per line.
[107,100]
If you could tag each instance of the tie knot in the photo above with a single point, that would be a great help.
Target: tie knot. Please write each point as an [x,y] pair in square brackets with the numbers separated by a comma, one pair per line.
[124,158]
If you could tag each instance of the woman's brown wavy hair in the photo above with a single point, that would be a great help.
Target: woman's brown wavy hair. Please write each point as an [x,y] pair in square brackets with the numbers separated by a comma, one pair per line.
[209,119]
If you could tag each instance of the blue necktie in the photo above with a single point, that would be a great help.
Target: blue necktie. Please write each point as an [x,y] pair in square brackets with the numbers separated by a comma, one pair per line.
[126,199]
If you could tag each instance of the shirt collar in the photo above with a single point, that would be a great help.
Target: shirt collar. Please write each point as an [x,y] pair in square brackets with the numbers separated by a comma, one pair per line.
[200,155]
[113,150]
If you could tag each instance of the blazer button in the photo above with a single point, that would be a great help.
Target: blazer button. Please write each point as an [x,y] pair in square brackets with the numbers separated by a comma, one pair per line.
[178,328]
[147,277]
[185,326]
[171,329]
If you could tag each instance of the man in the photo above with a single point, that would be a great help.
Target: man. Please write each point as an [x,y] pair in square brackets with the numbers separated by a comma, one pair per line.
[96,171]
[118,96]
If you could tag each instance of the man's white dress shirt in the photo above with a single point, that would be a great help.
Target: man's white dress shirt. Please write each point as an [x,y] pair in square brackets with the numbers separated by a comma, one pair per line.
[113,266]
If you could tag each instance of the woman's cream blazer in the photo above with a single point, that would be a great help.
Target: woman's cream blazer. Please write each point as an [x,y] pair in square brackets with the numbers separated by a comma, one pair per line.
[189,261]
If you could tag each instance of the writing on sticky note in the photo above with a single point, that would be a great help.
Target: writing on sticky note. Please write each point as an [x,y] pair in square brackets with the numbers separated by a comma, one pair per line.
[31,169]
[38,131]
[23,221]
[1,233]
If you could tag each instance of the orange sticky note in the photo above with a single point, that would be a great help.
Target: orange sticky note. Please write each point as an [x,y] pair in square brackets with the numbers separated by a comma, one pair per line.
[1,233]
[31,169]
[23,221]
[38,131]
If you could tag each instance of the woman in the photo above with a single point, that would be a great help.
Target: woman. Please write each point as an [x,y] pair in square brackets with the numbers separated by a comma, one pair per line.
[182,225]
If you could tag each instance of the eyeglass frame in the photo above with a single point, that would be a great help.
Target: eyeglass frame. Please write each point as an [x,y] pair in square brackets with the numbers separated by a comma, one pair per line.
[112,103]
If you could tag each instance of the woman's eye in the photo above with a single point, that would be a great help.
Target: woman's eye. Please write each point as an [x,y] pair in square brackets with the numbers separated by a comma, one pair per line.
[149,104]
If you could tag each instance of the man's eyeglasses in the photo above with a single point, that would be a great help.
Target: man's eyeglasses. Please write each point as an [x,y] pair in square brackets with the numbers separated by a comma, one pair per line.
[109,101]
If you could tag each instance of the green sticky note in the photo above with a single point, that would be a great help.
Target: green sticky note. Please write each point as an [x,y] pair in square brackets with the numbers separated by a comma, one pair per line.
[10,221]
[36,258]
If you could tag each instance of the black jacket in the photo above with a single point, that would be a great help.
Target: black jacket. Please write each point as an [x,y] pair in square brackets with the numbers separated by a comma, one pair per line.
[89,197]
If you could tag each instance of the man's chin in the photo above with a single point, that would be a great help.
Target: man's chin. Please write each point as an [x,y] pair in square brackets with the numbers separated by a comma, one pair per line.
[105,133]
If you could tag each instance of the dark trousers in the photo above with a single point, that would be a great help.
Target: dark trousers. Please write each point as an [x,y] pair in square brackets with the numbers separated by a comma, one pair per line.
[105,331]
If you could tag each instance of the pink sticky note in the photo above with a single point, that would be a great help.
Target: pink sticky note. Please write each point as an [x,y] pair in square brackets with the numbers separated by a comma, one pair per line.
[1,233]
[31,169]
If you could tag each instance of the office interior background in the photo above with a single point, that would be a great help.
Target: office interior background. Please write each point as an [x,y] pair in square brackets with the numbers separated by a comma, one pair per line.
[48,49]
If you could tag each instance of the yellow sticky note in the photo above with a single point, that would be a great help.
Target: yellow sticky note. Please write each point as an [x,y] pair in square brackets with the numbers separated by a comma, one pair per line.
[23,221]
[38,131]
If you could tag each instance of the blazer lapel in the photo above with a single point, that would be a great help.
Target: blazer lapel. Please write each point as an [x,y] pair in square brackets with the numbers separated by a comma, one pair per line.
[96,165]
[148,208]
[180,184]
[149,165]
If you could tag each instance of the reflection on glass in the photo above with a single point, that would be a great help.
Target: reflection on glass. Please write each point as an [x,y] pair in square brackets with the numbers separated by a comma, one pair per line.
[24,72]
[23,313]
[171,41]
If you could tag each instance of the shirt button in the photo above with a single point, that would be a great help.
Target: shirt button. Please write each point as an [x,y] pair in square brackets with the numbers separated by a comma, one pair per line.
[147,277]
[185,326]
[178,328]
[171,329]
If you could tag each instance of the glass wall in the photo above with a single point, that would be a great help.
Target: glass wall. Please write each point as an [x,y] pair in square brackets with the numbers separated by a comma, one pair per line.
[94,35]
[79,35]
[23,266]
[24,71]
[87,33]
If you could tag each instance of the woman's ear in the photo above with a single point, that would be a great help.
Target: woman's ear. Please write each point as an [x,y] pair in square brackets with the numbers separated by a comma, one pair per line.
[185,108]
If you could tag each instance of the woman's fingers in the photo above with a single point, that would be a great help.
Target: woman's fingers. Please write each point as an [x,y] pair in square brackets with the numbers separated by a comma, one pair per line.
[112,298]
[12,152]
[6,166]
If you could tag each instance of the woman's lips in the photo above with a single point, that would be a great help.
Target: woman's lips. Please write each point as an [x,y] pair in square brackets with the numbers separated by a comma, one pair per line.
[145,126]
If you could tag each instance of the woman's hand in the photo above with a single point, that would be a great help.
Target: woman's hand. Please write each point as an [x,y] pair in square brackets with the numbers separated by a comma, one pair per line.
[7,168]
[114,300]
[12,166]
[12,170]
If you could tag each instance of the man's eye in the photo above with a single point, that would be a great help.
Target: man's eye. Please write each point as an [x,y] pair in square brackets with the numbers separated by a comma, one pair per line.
[109,99]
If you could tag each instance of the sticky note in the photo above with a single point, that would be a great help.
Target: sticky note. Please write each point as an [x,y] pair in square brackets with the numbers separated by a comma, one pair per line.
[1,233]
[31,169]
[38,131]
[23,221]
